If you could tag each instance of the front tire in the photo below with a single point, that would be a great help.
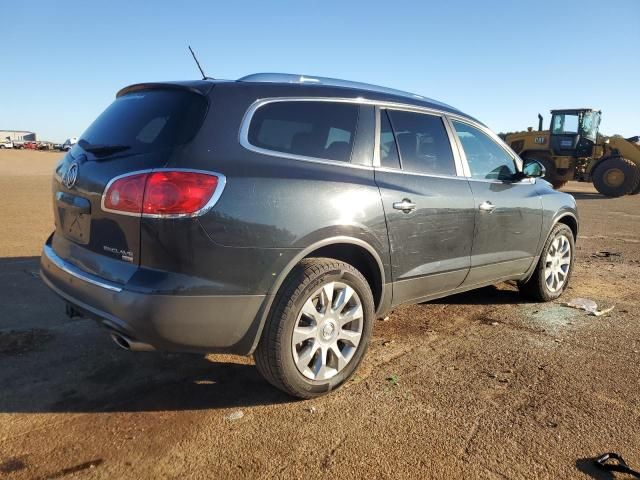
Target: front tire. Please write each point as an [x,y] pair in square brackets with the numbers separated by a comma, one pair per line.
[318,330]
[553,271]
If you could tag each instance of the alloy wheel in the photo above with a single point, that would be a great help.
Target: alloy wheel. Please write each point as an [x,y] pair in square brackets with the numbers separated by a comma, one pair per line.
[327,331]
[557,263]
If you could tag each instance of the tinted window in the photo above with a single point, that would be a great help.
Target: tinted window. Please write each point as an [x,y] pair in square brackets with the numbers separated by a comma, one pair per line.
[485,157]
[312,129]
[423,143]
[147,120]
[388,149]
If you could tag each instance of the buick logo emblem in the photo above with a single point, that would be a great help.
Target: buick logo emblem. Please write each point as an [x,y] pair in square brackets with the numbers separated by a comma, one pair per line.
[71,175]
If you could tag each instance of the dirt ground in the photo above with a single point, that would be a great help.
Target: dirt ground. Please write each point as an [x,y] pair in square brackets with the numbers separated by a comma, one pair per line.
[480,385]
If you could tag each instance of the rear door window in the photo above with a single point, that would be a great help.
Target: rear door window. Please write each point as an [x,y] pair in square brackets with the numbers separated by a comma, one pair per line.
[423,143]
[143,121]
[323,130]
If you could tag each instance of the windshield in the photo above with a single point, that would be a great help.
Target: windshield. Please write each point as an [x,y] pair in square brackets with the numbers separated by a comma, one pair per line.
[590,124]
[143,121]
[564,123]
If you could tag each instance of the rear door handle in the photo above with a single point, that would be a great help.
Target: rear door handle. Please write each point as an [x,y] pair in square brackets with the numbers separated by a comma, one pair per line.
[486,207]
[405,205]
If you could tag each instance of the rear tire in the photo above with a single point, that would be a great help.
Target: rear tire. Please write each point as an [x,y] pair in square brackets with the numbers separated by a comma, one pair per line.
[309,345]
[615,177]
[553,271]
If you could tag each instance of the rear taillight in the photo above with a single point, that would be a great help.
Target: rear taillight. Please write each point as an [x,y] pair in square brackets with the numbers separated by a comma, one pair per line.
[125,194]
[163,193]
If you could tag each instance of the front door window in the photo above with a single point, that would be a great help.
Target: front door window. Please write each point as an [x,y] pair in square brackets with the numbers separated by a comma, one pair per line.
[487,160]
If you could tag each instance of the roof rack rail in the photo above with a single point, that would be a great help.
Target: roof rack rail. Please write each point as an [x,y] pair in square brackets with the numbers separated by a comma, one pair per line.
[333,82]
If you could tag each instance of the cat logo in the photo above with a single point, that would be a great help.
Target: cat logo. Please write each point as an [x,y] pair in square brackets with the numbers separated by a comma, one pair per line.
[541,140]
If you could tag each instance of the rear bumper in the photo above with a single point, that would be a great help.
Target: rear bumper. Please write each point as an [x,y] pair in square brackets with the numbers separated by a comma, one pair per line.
[170,322]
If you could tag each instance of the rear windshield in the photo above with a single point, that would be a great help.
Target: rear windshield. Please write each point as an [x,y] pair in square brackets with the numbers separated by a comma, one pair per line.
[142,121]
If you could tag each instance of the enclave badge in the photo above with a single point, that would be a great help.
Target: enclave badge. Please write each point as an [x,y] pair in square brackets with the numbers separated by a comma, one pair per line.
[71,175]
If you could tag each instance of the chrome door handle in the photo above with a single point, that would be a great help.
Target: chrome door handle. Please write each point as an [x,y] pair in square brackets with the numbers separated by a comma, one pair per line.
[405,205]
[486,207]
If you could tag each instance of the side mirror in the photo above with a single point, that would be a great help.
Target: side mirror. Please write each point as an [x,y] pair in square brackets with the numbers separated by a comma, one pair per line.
[533,169]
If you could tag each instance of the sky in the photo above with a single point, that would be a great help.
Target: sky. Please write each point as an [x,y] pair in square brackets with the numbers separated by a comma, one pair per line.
[502,61]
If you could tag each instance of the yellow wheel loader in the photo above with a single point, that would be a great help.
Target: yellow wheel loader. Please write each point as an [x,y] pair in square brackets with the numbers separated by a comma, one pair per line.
[572,149]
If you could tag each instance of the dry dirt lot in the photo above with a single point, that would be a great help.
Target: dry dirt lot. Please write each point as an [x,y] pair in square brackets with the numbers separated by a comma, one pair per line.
[481,385]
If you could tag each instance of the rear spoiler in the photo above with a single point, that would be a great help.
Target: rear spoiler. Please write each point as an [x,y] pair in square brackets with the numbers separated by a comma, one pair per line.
[193,87]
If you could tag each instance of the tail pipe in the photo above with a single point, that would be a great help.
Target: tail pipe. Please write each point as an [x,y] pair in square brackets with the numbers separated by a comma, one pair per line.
[128,343]
[539,122]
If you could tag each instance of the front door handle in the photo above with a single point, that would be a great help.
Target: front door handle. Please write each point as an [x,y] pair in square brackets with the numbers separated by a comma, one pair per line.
[405,205]
[487,207]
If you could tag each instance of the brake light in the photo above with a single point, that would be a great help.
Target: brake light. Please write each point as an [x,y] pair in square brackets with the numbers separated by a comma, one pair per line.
[126,194]
[165,193]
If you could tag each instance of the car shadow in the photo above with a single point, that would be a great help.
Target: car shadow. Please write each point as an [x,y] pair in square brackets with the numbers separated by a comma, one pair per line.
[52,363]
[587,195]
[490,295]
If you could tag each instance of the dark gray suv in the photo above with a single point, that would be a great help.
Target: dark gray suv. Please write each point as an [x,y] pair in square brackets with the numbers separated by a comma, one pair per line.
[279,215]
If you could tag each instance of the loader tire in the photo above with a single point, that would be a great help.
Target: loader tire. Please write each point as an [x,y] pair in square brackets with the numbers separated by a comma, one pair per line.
[556,178]
[616,176]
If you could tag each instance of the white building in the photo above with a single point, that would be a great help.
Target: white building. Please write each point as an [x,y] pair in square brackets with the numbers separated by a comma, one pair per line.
[18,135]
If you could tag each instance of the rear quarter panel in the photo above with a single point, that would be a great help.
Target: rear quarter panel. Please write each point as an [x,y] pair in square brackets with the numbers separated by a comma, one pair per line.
[272,208]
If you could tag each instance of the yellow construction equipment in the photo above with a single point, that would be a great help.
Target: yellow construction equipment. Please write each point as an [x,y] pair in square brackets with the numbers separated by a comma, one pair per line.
[572,149]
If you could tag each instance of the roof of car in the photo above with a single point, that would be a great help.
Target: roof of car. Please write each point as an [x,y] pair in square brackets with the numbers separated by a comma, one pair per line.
[365,89]
[310,85]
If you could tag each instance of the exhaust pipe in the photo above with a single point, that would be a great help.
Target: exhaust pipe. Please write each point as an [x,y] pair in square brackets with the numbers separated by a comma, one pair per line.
[539,122]
[127,343]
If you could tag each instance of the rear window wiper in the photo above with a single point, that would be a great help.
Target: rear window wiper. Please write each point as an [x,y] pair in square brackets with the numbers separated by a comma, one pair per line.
[102,149]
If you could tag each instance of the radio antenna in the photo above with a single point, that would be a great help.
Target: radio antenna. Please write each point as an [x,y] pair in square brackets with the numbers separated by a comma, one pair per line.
[204,77]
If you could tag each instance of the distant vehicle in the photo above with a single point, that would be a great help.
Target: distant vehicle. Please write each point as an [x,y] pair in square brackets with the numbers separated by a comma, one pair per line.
[57,146]
[30,145]
[6,144]
[18,145]
[68,143]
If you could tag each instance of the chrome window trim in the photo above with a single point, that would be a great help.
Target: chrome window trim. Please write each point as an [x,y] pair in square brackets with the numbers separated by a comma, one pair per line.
[418,174]
[76,272]
[243,134]
[462,167]
[497,140]
[457,157]
[222,183]
[524,181]
[248,116]
[376,139]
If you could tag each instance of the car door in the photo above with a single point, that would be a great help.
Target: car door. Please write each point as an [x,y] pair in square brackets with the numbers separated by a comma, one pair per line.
[508,212]
[428,205]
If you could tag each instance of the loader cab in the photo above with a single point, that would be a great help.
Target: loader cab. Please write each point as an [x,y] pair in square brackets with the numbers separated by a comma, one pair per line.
[574,132]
